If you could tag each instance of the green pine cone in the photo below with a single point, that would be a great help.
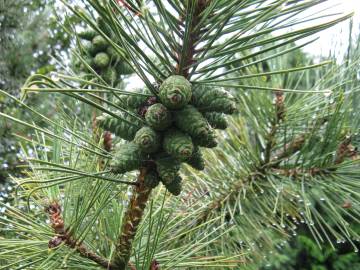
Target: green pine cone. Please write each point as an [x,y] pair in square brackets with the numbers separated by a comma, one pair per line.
[87,34]
[167,168]
[110,75]
[216,120]
[191,121]
[158,117]
[209,141]
[113,54]
[207,99]
[175,187]
[84,76]
[100,43]
[151,179]
[127,157]
[178,144]
[88,48]
[89,62]
[148,140]
[119,127]
[196,160]
[175,92]
[103,25]
[124,68]
[101,60]
[75,62]
[134,101]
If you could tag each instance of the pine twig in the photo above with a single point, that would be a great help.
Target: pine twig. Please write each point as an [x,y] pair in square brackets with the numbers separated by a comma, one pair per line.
[344,150]
[64,236]
[290,148]
[131,221]
[280,115]
[128,7]
[186,59]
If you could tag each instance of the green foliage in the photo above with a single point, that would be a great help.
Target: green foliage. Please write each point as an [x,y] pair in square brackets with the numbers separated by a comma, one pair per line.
[29,36]
[268,174]
[304,253]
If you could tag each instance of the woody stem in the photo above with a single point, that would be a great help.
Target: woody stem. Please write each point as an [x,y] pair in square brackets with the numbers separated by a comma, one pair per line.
[131,221]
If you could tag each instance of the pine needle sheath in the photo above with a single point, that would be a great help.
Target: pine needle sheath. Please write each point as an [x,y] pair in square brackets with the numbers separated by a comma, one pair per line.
[131,222]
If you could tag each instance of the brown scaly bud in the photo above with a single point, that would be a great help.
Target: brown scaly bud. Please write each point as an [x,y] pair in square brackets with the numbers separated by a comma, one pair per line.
[55,242]
[142,110]
[53,208]
[279,104]
[56,220]
[347,204]
[107,141]
[150,101]
[58,224]
[155,265]
[343,150]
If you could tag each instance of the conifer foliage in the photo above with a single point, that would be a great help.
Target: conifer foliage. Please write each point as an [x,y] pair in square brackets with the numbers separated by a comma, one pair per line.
[190,55]
[183,128]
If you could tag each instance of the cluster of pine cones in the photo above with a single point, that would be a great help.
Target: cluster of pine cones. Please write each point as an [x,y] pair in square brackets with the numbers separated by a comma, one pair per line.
[100,56]
[179,120]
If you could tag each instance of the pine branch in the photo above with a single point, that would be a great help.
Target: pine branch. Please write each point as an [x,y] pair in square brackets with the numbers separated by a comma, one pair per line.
[64,236]
[290,148]
[131,221]
[190,37]
[280,114]
[345,150]
[133,10]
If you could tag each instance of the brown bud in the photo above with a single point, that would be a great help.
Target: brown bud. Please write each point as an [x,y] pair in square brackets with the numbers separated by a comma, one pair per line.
[55,242]
[154,265]
[107,141]
[347,204]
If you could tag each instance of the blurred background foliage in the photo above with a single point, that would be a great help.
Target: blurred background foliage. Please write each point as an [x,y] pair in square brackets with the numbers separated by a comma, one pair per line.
[30,34]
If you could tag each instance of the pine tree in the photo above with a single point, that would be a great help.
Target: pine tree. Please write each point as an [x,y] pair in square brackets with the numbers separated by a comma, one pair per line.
[28,37]
[284,150]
